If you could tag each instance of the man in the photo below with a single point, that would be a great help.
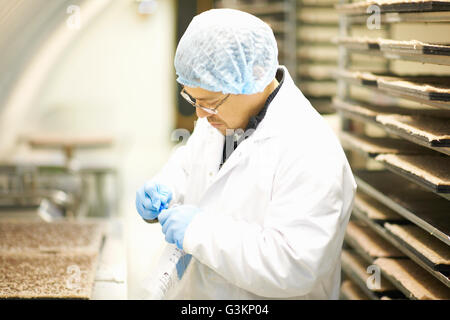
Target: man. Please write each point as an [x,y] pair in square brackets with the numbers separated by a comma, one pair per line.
[263,189]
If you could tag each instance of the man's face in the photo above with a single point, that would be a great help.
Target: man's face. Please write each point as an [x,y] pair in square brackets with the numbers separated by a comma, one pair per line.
[231,114]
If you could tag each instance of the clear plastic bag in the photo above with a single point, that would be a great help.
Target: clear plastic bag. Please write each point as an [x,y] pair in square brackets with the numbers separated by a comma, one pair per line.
[170,269]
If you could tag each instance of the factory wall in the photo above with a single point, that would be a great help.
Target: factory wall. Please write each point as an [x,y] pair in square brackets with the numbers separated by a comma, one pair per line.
[117,78]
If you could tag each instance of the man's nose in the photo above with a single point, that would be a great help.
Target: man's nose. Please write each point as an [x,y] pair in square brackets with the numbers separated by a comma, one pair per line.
[202,113]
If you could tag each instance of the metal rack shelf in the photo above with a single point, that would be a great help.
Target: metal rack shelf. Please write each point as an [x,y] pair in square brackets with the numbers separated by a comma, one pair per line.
[420,199]
[358,8]
[404,17]
[356,234]
[376,211]
[425,164]
[416,131]
[374,146]
[442,269]
[404,50]
[430,90]
[407,88]
[425,209]
[404,273]
[360,111]
[402,246]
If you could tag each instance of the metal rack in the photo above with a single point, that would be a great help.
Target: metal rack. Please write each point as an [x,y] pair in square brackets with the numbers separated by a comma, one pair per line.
[379,228]
[397,164]
[420,117]
[309,58]
[423,208]
[404,50]
[388,119]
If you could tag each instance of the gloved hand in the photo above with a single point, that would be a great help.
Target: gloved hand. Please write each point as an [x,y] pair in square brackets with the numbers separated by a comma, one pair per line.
[174,222]
[151,199]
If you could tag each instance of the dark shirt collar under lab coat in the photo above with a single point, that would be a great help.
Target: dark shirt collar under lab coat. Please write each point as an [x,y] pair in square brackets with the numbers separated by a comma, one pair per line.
[232,141]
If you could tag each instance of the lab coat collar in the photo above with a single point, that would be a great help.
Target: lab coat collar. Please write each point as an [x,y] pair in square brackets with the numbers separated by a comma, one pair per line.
[268,128]
[275,112]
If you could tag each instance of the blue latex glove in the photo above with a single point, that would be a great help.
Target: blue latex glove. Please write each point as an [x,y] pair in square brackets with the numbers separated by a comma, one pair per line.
[151,199]
[174,222]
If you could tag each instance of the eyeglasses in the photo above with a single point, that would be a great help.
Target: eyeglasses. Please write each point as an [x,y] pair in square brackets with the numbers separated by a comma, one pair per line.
[193,102]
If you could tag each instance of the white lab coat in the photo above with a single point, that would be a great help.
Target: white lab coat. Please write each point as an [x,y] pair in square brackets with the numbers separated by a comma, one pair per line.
[274,216]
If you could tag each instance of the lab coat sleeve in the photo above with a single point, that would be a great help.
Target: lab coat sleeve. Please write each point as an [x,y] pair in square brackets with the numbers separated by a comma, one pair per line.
[301,237]
[175,172]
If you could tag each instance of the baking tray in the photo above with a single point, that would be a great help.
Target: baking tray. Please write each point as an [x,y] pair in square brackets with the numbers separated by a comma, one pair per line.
[359,110]
[373,146]
[440,268]
[430,90]
[425,277]
[394,49]
[425,209]
[360,8]
[416,51]
[367,112]
[442,190]
[412,253]
[364,203]
[360,44]
[366,79]
[378,241]
[410,88]
[395,124]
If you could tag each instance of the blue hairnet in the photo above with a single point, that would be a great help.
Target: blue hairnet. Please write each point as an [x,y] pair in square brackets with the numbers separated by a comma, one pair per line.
[226,50]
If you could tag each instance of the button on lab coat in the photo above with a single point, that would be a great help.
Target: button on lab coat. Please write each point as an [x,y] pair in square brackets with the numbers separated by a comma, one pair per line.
[274,216]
